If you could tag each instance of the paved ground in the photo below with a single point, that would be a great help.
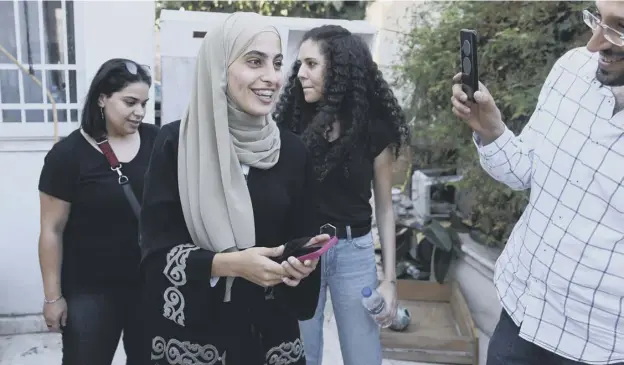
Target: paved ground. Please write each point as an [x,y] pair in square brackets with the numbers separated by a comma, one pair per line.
[45,349]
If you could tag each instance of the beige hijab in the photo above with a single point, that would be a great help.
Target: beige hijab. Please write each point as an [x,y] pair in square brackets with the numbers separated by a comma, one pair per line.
[216,137]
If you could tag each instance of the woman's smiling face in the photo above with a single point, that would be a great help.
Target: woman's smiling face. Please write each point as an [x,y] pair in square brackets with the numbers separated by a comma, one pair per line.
[255,78]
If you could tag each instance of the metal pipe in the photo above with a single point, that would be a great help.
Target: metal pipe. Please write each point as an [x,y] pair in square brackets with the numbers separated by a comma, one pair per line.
[38,82]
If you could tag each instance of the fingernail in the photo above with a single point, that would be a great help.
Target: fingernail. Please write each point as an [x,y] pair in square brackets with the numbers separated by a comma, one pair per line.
[307,262]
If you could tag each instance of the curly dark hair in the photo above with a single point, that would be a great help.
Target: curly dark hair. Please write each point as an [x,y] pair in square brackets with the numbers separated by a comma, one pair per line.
[355,94]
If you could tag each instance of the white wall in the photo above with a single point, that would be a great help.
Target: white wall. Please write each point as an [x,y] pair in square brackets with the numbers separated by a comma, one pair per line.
[118,29]
[104,29]
[393,19]
[179,49]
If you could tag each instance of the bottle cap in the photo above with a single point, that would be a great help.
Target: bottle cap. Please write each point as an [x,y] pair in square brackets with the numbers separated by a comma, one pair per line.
[367,292]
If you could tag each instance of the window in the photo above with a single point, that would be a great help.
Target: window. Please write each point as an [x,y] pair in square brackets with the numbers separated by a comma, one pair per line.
[40,35]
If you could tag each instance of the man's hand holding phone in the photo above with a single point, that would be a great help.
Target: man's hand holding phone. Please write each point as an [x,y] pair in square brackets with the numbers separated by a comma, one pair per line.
[471,100]
[482,115]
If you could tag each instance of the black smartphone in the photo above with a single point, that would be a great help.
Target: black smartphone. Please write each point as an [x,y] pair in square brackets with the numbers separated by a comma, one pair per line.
[469,62]
[295,247]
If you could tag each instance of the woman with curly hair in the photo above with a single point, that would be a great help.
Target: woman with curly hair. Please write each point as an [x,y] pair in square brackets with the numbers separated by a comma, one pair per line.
[339,102]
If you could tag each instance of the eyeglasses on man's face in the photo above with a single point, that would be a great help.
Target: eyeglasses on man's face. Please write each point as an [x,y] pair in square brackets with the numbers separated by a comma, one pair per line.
[615,37]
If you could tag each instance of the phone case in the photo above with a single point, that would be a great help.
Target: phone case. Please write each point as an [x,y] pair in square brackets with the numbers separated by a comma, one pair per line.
[318,253]
[469,62]
[296,248]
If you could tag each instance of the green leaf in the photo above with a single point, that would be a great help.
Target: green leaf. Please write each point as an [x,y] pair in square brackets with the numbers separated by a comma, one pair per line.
[518,44]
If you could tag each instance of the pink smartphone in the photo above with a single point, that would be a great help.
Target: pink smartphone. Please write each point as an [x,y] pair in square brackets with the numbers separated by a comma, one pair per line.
[318,253]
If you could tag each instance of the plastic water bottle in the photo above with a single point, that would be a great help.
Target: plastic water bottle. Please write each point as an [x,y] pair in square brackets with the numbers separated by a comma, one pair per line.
[376,306]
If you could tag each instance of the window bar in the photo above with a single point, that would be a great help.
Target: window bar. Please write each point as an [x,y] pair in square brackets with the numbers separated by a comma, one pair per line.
[42,52]
[18,38]
[1,120]
[65,58]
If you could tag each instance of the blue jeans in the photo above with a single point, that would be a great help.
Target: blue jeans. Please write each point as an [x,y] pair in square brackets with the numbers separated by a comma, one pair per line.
[346,269]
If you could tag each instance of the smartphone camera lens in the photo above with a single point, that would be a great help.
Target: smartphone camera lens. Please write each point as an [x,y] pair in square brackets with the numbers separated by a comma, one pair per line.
[467,66]
[466,47]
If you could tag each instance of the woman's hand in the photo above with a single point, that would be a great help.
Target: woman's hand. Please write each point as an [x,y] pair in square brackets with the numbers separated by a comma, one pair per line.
[55,315]
[255,265]
[387,289]
[296,270]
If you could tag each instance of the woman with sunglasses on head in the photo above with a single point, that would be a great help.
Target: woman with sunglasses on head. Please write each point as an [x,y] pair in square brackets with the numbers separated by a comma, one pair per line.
[225,190]
[339,102]
[88,245]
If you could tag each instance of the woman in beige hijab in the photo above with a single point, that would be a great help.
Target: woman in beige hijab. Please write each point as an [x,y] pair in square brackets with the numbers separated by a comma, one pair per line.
[225,189]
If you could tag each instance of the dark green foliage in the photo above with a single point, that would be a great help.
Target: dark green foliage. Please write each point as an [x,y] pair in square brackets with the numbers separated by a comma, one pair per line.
[518,44]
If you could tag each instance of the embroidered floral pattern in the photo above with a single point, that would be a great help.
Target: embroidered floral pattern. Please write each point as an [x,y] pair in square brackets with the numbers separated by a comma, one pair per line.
[176,263]
[286,353]
[174,305]
[173,309]
[177,352]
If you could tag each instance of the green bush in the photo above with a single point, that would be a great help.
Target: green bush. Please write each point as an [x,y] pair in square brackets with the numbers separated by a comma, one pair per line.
[352,10]
[518,44]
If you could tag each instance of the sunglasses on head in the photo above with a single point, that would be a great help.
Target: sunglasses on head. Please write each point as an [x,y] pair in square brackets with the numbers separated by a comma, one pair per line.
[133,68]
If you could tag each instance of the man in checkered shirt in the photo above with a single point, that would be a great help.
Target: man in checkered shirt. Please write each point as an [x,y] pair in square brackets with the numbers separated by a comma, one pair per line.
[561,276]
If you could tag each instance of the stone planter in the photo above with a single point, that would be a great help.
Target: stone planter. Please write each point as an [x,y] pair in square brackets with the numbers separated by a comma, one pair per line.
[474,271]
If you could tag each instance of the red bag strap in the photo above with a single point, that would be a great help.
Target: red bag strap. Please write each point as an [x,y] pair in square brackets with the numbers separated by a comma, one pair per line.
[123,180]
[102,142]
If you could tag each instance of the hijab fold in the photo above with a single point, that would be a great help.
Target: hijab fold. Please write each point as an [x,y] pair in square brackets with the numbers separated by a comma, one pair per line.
[216,137]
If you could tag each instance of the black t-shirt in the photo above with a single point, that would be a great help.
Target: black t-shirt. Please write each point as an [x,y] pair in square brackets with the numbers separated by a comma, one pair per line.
[345,193]
[100,240]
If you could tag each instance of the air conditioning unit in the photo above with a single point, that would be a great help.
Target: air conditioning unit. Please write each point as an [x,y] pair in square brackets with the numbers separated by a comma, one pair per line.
[431,196]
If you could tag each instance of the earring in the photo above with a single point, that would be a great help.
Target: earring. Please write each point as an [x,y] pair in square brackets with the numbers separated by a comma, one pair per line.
[102,113]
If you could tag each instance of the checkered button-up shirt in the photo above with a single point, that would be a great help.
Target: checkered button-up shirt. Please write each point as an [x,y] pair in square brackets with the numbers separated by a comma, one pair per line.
[561,275]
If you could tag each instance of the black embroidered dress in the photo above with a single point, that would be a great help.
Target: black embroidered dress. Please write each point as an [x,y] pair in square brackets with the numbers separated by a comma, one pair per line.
[187,320]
